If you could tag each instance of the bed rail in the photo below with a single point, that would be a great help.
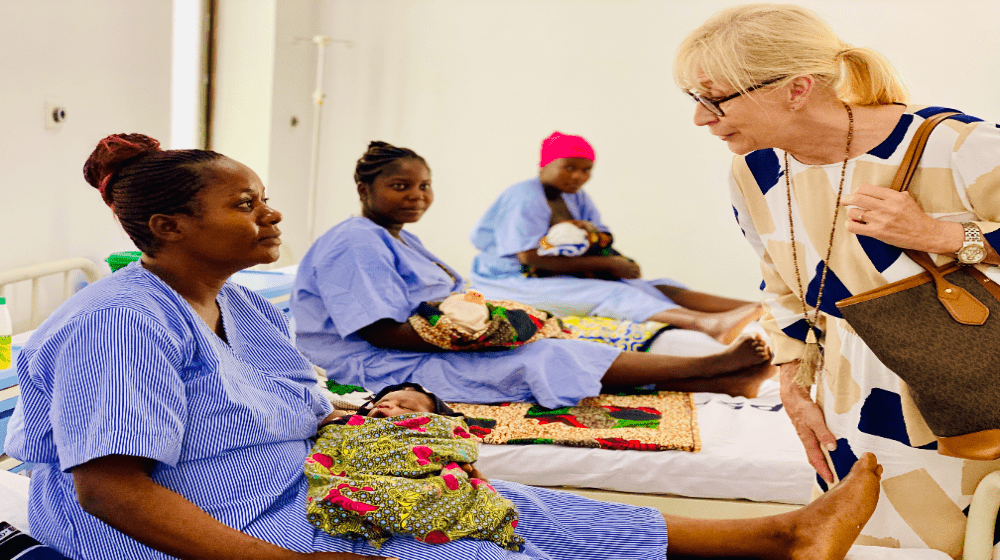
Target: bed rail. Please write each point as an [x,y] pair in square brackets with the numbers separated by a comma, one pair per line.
[35,273]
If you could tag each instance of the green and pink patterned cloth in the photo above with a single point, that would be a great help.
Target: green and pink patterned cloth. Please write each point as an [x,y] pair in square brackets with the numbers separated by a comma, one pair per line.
[373,478]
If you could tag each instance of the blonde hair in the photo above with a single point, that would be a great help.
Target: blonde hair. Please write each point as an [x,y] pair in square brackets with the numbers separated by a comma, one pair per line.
[750,44]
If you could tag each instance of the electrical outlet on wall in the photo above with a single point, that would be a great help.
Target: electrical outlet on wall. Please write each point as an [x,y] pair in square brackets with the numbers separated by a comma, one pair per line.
[55,115]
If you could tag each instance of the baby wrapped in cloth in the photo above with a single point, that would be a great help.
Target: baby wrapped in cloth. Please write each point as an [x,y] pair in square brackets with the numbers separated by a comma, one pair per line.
[372,478]
[574,238]
[466,321]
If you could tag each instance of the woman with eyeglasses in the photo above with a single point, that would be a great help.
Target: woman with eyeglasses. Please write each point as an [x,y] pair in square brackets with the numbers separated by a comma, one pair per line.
[819,128]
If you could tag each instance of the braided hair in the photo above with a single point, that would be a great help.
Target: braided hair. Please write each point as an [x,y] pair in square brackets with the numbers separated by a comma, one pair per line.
[381,157]
[137,179]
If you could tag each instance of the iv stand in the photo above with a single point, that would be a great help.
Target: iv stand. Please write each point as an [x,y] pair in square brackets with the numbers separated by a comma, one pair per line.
[319,96]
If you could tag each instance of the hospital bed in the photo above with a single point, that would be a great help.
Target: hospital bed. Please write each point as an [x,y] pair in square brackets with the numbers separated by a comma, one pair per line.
[735,461]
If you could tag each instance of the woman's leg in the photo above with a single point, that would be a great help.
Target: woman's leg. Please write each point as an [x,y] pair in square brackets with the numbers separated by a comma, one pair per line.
[738,370]
[719,317]
[822,530]
[700,301]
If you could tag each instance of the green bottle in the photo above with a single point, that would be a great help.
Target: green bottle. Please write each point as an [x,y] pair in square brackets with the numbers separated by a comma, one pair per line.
[6,330]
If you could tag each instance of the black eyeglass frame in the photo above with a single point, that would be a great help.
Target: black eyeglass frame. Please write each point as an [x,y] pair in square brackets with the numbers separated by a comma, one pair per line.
[713,104]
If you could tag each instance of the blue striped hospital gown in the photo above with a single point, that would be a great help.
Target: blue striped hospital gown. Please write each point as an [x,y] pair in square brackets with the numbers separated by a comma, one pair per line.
[357,273]
[127,367]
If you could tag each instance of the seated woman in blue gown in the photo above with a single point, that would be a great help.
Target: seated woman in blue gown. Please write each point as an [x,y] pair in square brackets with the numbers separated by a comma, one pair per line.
[169,416]
[362,279]
[508,237]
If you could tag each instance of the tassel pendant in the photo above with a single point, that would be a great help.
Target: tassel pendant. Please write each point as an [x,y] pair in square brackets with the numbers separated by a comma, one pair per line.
[810,362]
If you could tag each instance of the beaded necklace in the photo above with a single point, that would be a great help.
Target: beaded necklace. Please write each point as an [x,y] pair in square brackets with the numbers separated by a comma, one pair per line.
[812,354]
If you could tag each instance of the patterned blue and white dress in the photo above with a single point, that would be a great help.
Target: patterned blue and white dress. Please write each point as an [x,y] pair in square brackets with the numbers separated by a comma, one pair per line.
[516,222]
[357,273]
[126,367]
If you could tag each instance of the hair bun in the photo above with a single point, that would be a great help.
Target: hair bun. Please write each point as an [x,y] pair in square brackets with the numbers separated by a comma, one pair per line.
[110,155]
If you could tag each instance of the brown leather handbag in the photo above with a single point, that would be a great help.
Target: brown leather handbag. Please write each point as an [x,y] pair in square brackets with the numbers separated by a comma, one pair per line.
[939,331]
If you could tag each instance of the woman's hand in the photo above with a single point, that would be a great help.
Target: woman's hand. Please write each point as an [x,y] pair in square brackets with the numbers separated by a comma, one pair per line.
[386,333]
[895,218]
[808,420]
[621,267]
[473,472]
[337,413]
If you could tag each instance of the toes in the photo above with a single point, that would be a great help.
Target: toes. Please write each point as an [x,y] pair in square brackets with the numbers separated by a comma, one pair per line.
[867,462]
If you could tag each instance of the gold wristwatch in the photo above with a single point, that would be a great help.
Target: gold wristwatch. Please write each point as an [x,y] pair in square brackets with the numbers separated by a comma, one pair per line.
[973,249]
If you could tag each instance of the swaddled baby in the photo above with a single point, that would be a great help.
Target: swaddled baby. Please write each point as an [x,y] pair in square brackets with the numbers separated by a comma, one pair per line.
[466,321]
[402,465]
[571,238]
[467,311]
[574,238]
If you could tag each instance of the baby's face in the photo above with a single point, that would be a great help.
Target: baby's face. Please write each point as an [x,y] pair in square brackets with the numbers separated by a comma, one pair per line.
[401,402]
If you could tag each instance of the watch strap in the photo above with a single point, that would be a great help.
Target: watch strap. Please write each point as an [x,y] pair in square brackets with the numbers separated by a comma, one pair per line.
[972,233]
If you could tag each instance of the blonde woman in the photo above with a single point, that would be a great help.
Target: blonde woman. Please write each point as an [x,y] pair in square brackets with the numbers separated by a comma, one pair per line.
[819,128]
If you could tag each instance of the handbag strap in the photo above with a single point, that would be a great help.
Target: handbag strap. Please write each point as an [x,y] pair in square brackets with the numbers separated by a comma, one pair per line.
[962,305]
[908,167]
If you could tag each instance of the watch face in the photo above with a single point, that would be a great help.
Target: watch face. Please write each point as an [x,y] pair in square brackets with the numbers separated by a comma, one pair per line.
[971,254]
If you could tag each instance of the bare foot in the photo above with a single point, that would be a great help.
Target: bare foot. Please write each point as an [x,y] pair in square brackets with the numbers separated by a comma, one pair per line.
[747,350]
[745,383]
[739,370]
[826,528]
[730,324]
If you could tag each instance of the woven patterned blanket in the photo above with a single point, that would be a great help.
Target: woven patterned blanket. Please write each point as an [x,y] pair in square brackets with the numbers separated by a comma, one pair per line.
[653,421]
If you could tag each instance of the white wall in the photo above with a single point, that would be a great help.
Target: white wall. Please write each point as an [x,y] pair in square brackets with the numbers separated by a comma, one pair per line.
[474,85]
[244,81]
[108,62]
[188,56]
[265,77]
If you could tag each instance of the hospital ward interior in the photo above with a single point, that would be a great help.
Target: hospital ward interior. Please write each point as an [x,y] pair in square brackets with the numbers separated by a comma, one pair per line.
[429,279]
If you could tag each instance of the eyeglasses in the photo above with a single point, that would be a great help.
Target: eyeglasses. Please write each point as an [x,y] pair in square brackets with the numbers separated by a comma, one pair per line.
[713,104]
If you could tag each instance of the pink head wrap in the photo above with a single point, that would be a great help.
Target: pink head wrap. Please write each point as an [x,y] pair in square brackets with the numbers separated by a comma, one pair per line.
[559,145]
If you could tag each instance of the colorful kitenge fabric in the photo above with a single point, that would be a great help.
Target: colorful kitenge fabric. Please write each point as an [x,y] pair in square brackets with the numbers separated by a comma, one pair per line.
[626,335]
[377,477]
[925,495]
[510,325]
[645,421]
